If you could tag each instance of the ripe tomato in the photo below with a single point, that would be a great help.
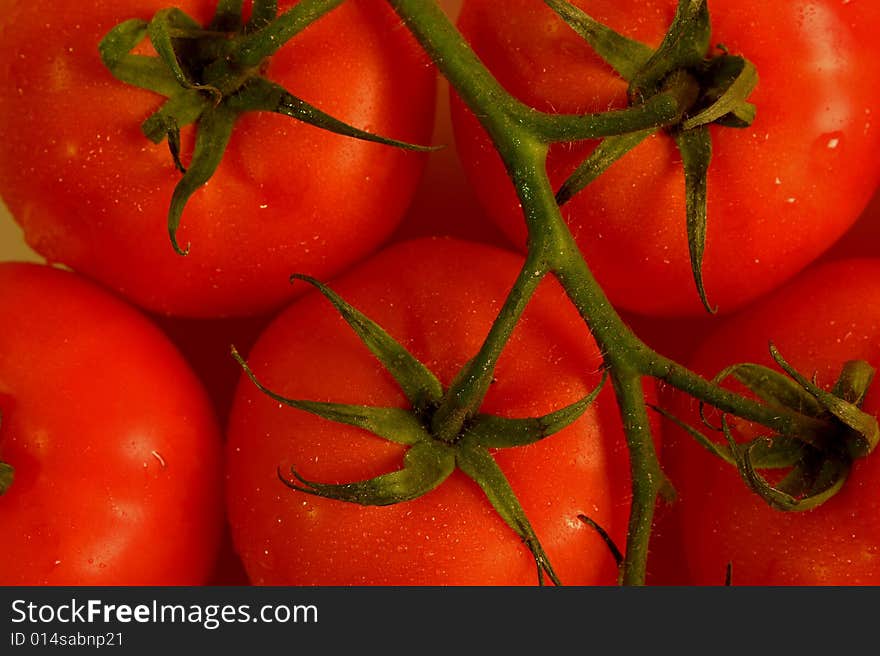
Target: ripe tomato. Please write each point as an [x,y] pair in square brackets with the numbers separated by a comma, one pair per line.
[824,317]
[780,192]
[440,309]
[91,192]
[116,449]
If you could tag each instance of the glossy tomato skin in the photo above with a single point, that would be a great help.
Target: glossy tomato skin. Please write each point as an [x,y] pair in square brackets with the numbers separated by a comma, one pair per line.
[116,449]
[438,297]
[827,315]
[287,197]
[780,192]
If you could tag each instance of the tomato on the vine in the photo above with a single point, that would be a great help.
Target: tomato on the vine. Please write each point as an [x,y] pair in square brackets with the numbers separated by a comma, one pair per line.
[93,193]
[826,316]
[438,298]
[115,450]
[780,192]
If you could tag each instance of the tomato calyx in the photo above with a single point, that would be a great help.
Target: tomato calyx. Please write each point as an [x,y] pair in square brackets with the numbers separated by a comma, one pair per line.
[725,82]
[811,467]
[432,455]
[210,76]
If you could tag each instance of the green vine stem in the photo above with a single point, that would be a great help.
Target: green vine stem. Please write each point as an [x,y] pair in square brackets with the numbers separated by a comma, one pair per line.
[521,135]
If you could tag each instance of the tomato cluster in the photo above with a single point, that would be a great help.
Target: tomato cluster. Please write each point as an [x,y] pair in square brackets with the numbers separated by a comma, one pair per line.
[135,449]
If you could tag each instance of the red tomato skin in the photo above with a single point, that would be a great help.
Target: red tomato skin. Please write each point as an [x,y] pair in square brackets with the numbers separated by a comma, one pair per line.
[780,192]
[116,449]
[438,297]
[827,315]
[287,197]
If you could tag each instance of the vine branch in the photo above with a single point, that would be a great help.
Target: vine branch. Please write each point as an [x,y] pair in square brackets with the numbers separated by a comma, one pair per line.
[521,135]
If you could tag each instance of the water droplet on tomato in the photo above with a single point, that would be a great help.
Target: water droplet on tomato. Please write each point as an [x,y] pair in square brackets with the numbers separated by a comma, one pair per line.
[830,141]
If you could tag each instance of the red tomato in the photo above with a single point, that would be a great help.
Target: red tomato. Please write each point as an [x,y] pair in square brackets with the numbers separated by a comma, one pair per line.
[824,317]
[91,192]
[116,449]
[438,297]
[780,192]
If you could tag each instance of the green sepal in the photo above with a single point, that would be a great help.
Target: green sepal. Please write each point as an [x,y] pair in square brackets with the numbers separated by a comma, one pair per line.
[773,387]
[161,31]
[259,45]
[684,46]
[425,466]
[813,480]
[138,70]
[729,82]
[810,483]
[259,94]
[418,383]
[227,16]
[606,538]
[7,477]
[393,424]
[854,381]
[864,430]
[600,160]
[263,12]
[696,155]
[777,452]
[626,56]
[742,116]
[495,432]
[714,448]
[477,463]
[172,133]
[214,131]
[183,108]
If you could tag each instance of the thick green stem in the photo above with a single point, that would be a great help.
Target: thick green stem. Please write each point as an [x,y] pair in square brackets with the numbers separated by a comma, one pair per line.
[452,55]
[618,346]
[647,477]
